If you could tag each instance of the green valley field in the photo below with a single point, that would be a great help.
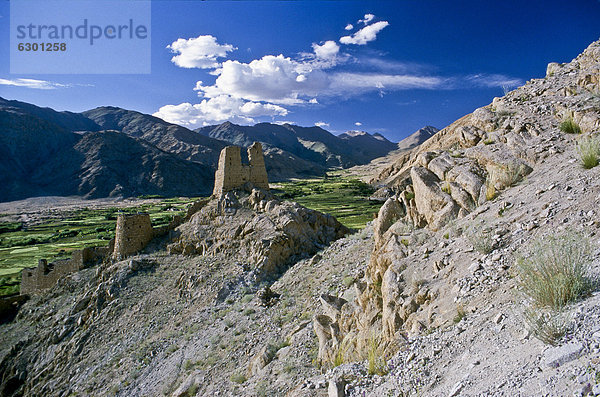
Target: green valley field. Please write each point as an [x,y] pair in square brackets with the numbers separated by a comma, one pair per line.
[22,244]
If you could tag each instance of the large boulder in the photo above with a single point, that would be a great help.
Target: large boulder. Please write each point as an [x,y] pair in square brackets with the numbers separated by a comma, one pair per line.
[389,213]
[436,206]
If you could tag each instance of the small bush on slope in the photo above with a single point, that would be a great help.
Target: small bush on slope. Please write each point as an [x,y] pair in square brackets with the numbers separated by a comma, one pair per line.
[554,272]
[589,151]
[570,127]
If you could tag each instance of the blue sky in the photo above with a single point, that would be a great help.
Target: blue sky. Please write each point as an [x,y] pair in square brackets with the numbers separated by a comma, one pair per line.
[400,65]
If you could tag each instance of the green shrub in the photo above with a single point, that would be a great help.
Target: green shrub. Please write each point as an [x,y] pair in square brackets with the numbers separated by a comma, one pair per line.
[554,271]
[344,352]
[348,281]
[481,239]
[589,151]
[549,326]
[274,347]
[446,188]
[510,175]
[569,126]
[238,378]
[460,314]
[376,354]
[340,355]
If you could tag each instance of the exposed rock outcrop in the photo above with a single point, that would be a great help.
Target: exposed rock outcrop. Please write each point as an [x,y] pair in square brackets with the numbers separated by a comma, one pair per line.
[448,177]
[259,230]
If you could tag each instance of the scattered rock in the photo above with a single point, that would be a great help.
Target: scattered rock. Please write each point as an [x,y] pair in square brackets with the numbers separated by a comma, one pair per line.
[557,356]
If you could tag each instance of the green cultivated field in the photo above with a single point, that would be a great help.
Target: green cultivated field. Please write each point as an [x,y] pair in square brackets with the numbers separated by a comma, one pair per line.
[344,198]
[22,247]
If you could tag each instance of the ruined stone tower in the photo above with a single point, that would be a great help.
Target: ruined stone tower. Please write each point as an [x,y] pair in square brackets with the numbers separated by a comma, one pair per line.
[231,174]
[132,234]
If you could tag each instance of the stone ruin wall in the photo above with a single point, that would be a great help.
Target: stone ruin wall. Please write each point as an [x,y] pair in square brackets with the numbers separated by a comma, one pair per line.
[46,275]
[132,234]
[232,174]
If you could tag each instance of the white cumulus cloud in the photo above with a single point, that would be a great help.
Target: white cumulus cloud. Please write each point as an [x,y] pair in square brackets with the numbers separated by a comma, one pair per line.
[321,124]
[200,52]
[217,110]
[244,91]
[33,83]
[274,79]
[358,124]
[327,50]
[368,18]
[349,27]
[365,35]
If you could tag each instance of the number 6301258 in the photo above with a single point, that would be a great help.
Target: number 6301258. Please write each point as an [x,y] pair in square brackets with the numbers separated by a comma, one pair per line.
[42,47]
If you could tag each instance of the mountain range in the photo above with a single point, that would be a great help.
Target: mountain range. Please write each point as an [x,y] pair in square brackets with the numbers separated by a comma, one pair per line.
[110,151]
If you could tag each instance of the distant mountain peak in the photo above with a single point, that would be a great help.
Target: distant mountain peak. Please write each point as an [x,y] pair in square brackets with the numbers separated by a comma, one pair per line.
[417,137]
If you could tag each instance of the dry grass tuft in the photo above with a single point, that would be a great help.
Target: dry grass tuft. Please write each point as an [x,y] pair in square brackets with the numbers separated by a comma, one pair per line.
[589,152]
[569,126]
[554,271]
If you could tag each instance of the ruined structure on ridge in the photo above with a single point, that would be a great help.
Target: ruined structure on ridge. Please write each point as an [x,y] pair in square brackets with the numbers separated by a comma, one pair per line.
[45,275]
[132,234]
[231,174]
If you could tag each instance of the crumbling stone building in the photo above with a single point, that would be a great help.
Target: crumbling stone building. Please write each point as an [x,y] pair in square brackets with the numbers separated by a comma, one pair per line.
[232,174]
[132,234]
[45,275]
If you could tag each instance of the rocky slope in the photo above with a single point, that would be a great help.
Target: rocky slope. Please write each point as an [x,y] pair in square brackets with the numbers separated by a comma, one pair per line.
[313,144]
[261,231]
[168,137]
[41,158]
[117,165]
[167,323]
[498,177]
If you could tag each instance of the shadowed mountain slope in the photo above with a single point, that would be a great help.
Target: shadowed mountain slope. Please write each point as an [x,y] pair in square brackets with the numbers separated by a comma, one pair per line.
[41,158]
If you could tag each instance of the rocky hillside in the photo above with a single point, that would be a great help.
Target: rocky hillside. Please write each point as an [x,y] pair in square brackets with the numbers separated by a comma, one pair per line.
[171,320]
[40,157]
[440,296]
[168,137]
[485,188]
[117,165]
[313,144]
